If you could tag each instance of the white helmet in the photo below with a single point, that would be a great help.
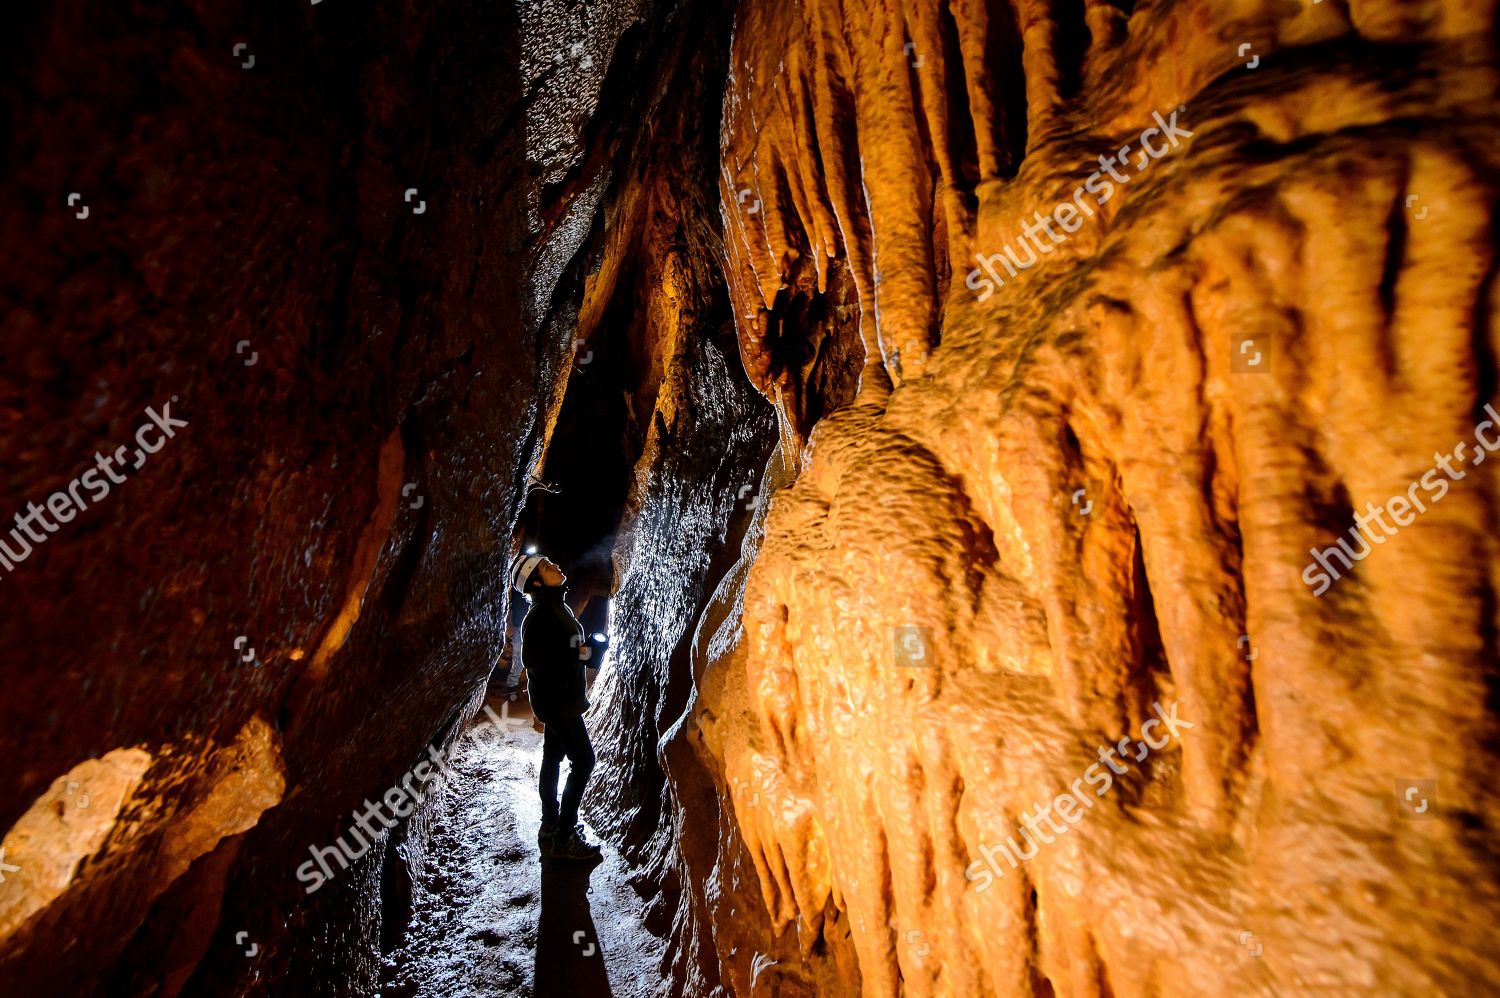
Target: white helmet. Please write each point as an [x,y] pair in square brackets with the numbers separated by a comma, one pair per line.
[521,574]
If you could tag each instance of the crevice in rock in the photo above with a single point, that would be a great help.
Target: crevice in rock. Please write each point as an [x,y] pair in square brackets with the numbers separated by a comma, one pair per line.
[1070,45]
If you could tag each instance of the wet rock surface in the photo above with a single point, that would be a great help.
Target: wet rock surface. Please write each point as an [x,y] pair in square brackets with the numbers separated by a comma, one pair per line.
[316,234]
[284,604]
[1094,490]
[491,915]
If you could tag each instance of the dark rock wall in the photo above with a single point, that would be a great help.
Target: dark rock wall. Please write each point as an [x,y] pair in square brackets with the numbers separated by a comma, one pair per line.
[367,379]
[655,330]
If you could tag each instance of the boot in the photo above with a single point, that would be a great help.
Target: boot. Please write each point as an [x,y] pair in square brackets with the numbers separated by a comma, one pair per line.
[572,845]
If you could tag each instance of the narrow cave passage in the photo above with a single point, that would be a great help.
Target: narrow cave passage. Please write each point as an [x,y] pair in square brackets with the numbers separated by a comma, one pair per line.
[486,908]
[489,915]
[1022,472]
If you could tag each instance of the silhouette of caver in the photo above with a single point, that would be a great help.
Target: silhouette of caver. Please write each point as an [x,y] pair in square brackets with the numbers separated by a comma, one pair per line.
[553,652]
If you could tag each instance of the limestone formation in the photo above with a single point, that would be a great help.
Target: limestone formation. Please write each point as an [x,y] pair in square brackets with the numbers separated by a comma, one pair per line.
[1095,489]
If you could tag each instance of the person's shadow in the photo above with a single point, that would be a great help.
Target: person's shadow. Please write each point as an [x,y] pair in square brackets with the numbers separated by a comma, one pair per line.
[569,958]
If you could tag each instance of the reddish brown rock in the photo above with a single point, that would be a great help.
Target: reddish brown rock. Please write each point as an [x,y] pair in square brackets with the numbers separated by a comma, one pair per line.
[323,260]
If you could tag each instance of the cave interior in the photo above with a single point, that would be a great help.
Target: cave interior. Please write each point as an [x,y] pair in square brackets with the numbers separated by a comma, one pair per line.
[1019,468]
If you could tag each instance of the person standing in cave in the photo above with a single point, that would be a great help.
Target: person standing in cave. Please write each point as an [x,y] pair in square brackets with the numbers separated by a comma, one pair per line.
[553,652]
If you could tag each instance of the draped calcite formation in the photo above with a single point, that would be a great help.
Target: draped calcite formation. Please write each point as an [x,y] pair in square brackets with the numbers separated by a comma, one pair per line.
[1093,489]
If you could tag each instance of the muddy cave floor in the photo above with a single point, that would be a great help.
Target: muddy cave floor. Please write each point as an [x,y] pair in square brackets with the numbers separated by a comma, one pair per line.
[490,916]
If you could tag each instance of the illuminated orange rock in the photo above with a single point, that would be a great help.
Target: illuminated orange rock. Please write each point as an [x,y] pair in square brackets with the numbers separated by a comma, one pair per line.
[1094,490]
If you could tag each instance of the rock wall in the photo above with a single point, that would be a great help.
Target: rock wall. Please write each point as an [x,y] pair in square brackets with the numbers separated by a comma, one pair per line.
[1116,396]
[655,331]
[342,243]
[1040,481]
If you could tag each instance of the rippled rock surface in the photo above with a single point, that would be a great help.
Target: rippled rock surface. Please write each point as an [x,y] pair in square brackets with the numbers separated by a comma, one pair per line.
[1087,483]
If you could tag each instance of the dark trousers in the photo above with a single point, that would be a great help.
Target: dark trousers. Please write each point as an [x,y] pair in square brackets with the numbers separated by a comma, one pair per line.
[565,736]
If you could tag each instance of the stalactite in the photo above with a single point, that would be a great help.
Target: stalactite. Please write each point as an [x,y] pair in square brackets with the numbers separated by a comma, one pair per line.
[1083,507]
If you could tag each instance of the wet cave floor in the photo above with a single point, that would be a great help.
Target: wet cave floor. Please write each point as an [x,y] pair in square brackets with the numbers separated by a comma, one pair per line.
[490,916]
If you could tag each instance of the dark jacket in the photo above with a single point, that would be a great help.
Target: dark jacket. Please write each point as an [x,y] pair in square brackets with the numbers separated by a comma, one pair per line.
[553,650]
